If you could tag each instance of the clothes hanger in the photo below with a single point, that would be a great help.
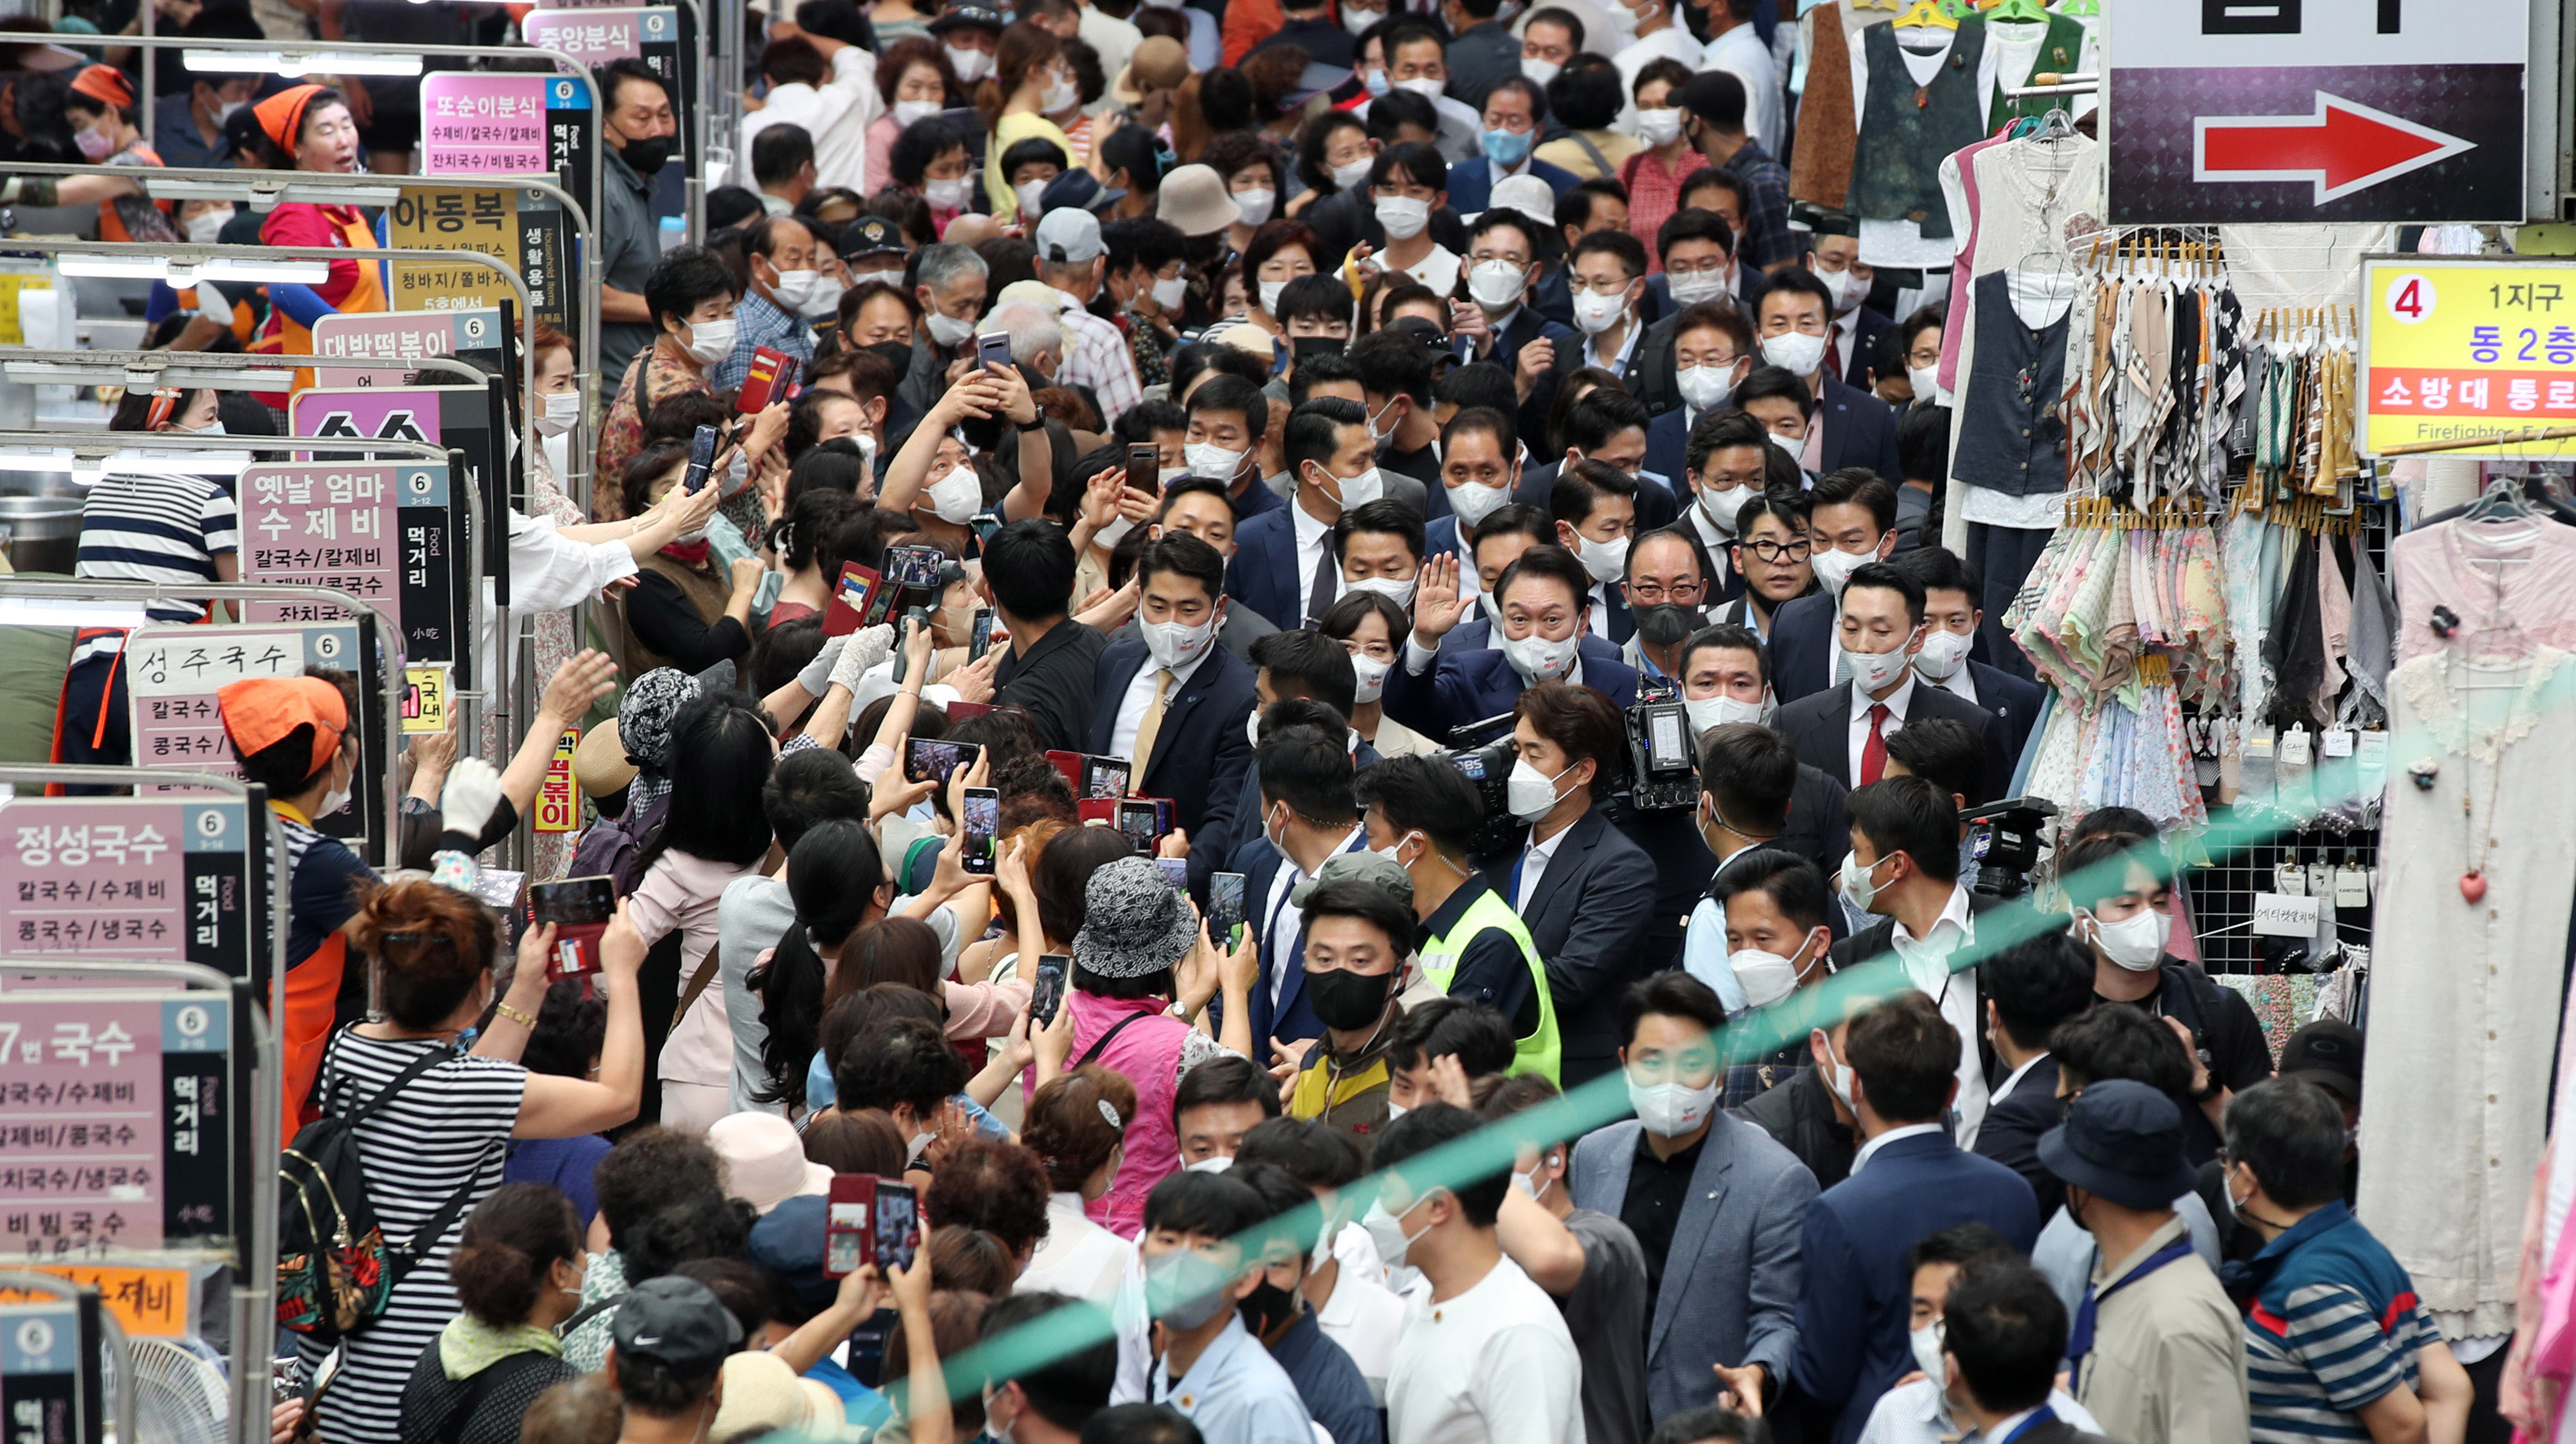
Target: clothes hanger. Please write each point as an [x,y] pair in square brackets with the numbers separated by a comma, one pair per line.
[1924,12]
[2024,10]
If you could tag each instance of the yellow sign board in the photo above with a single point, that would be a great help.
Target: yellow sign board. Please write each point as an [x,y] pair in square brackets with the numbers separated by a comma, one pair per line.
[147,1301]
[13,331]
[424,705]
[2454,349]
[558,805]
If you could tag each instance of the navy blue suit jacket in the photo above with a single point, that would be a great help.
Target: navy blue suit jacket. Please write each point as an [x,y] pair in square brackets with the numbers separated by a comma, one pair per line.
[1469,684]
[1236,844]
[1471,182]
[1293,1017]
[1859,431]
[1802,644]
[1668,456]
[2013,703]
[1588,916]
[1863,357]
[1201,753]
[1855,1301]
[1262,574]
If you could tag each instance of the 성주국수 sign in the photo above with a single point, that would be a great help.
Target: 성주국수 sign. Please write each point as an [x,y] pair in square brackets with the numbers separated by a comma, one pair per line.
[2457,349]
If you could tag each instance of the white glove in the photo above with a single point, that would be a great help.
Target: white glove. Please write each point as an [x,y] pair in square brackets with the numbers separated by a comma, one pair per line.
[816,675]
[473,790]
[871,646]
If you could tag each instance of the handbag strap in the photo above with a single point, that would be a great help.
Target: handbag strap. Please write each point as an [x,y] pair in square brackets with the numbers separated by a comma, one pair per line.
[1608,170]
[590,1311]
[698,981]
[385,1095]
[1092,1053]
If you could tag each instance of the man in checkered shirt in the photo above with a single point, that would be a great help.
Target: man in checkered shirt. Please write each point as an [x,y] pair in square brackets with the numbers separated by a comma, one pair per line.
[1069,252]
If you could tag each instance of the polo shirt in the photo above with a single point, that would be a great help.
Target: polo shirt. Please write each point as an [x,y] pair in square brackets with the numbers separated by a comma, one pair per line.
[1652,1208]
[1235,1391]
[2334,1325]
[630,245]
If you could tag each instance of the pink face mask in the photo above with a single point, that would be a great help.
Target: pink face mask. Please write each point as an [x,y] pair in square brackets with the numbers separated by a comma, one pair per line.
[98,145]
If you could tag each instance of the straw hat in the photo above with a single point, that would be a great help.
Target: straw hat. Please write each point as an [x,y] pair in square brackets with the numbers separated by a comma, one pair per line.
[599,765]
[1158,63]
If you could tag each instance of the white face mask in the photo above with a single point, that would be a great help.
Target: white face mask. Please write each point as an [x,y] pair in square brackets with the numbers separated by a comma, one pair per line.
[1795,352]
[908,111]
[1846,287]
[1398,592]
[1765,977]
[1723,507]
[1372,675]
[1705,386]
[1061,95]
[1530,793]
[1527,1183]
[205,227]
[1660,126]
[1256,205]
[956,497]
[1926,1344]
[1217,1164]
[1472,502]
[1270,294]
[1859,888]
[1358,491]
[1175,646]
[1212,461]
[1942,654]
[1926,381]
[1354,175]
[1710,712]
[2136,942]
[1402,216]
[1029,193]
[1692,287]
[949,195]
[1424,86]
[1873,670]
[1604,561]
[710,341]
[1171,291]
[1597,313]
[1834,566]
[1385,1229]
[1536,658]
[563,411]
[224,112]
[947,330]
[333,800]
[1356,21]
[1669,1110]
[794,288]
[1497,285]
[970,65]
[1539,72]
[1108,537]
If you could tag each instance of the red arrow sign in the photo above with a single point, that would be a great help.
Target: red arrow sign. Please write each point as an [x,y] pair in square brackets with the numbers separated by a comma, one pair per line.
[2343,148]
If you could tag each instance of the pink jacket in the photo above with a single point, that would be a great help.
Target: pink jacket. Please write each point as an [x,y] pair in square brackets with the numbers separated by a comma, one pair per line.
[1148,1052]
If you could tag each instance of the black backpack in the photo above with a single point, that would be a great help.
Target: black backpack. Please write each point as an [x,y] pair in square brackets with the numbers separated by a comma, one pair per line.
[335,1272]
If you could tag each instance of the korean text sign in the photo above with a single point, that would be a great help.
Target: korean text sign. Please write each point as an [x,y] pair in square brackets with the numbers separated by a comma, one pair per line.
[158,879]
[381,531]
[122,1126]
[524,125]
[523,230]
[2455,349]
[405,338]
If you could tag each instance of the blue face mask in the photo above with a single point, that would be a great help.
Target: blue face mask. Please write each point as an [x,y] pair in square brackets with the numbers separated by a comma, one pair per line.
[1509,147]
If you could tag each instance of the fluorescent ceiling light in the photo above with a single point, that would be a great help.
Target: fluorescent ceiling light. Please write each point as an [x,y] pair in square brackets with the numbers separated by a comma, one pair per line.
[69,612]
[72,373]
[170,461]
[35,458]
[137,268]
[292,63]
[319,193]
[245,268]
[183,273]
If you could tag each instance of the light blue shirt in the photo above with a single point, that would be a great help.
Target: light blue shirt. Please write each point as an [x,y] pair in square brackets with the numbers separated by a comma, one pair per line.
[2066,1253]
[1704,945]
[1237,1394]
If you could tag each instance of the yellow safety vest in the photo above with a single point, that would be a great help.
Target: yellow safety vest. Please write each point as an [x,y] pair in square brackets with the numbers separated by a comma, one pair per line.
[1543,1049]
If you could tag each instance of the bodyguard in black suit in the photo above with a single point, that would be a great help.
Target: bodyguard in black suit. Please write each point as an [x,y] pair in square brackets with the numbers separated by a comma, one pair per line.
[1951,588]
[1887,606]
[1500,264]
[1859,430]
[1851,520]
[2030,988]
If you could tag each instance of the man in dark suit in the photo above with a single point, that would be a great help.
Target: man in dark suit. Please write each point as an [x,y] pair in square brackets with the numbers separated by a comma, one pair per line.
[1028,575]
[1697,247]
[1594,506]
[1844,728]
[1307,813]
[1434,689]
[1715,354]
[1951,588]
[1173,701]
[2030,988]
[1283,563]
[1851,337]
[1855,1302]
[1580,885]
[1851,522]
[2003,1335]
[1513,107]
[1794,326]
[1607,426]
[1502,327]
[1303,677]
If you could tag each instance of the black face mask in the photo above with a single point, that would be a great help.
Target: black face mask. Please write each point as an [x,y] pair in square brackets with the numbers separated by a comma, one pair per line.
[647,157]
[1267,1307]
[1666,624]
[1304,347]
[1344,999]
[897,352]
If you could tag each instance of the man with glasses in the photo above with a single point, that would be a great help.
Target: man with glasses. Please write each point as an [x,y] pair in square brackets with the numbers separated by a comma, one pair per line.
[1703,353]
[1497,323]
[1773,556]
[1666,587]
[1698,251]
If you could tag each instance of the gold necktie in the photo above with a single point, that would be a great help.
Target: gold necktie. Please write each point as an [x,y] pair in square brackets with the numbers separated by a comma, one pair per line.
[1149,725]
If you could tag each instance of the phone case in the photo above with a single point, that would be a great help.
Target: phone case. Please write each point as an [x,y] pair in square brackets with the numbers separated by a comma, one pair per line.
[842,618]
[1100,810]
[1070,764]
[771,378]
[849,1218]
[576,950]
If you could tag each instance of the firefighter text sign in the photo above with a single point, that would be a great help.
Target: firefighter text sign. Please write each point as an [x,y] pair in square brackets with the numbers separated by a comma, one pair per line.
[2458,349]
[153,879]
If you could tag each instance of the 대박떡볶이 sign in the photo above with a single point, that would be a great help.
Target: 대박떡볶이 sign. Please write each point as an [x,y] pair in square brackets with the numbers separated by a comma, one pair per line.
[125,1123]
[173,673]
[523,230]
[558,804]
[2455,349]
[153,879]
[474,123]
[401,337]
[389,533]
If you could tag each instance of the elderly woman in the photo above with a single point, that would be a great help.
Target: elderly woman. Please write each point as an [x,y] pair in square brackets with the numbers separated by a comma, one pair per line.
[311,126]
[517,1269]
[691,294]
[914,80]
[685,610]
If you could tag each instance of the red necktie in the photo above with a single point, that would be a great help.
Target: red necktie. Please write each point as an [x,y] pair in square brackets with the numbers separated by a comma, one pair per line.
[1873,754]
[1834,353]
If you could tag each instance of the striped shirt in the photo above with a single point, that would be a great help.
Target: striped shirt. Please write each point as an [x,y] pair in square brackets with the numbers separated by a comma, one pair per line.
[155,529]
[2334,1325]
[447,1126]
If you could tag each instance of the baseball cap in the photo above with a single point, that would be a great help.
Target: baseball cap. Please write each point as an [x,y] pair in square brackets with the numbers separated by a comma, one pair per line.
[2327,1053]
[1529,195]
[1079,188]
[260,712]
[677,1323]
[1068,234]
[1375,869]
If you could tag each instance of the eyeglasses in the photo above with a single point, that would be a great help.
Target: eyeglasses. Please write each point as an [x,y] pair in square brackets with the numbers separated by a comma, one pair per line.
[1654,593]
[1775,551]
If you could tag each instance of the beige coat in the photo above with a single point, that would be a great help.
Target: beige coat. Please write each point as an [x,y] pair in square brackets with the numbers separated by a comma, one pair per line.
[2168,1359]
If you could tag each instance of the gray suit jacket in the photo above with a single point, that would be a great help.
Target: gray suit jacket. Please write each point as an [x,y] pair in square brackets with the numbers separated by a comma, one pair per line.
[1730,1286]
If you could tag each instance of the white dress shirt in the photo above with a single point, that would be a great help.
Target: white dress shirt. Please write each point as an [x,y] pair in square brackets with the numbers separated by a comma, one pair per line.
[1709,536]
[2004,1089]
[1139,696]
[1534,866]
[1960,684]
[1927,967]
[1314,546]
[1896,704]
[1870,1149]
[1912,1413]
[1282,918]
[1740,51]
[1616,365]
[1596,611]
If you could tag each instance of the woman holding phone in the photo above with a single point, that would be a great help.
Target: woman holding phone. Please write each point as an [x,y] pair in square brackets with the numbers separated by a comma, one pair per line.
[685,611]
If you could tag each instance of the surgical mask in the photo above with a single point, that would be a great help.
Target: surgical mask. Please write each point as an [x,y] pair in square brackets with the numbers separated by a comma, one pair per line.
[1597,313]
[947,330]
[1926,381]
[1846,287]
[1659,127]
[1424,86]
[956,497]
[1497,285]
[1530,793]
[1398,592]
[1372,675]
[1270,291]
[1386,1229]
[1508,148]
[1796,352]
[1192,1289]
[1605,561]
[1347,1000]
[1356,21]
[1707,712]
[908,111]
[1926,1344]
[1723,507]
[1358,491]
[646,157]
[1941,655]
[211,428]
[949,195]
[1834,566]
[1218,1164]
[1376,83]
[1859,887]
[1536,658]
[206,227]
[1539,72]
[825,300]
[333,800]
[1395,1111]
[1164,478]
[1354,175]
[96,144]
[2136,942]
[1873,670]
[224,112]
[1175,646]
[1669,1110]
[562,413]
[1029,193]
[1402,216]
[1705,386]
[1473,501]
[1061,95]
[1170,291]
[1256,205]
[794,288]
[970,65]
[710,341]
[1767,977]
[1215,462]
[1692,287]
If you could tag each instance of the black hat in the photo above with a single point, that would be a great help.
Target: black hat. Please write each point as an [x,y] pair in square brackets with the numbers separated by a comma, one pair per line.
[676,1323]
[1420,327]
[871,236]
[960,17]
[1078,190]
[788,1241]
[2122,1140]
[2327,1053]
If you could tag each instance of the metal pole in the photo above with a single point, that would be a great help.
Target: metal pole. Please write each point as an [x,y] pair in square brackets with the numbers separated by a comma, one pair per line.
[145,369]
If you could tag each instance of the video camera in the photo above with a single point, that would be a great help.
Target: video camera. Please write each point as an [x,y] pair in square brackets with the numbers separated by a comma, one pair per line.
[2003,839]
[1486,760]
[1663,760]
